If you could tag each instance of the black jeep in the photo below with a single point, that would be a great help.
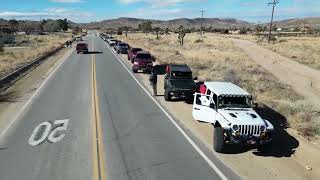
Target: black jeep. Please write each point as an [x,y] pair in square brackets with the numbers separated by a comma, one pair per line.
[178,82]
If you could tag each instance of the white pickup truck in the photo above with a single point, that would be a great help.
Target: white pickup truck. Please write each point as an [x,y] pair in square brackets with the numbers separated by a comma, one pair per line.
[229,109]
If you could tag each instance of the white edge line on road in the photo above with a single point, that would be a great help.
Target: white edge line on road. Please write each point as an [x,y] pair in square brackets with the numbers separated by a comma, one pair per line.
[201,153]
[36,93]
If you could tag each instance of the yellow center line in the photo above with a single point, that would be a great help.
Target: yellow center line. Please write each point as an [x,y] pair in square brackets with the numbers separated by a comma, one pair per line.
[99,166]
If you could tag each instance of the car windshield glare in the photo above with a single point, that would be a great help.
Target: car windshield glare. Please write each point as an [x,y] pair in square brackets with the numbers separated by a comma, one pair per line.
[234,101]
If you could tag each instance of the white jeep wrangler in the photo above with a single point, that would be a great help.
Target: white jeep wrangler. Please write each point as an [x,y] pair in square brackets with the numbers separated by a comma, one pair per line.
[229,109]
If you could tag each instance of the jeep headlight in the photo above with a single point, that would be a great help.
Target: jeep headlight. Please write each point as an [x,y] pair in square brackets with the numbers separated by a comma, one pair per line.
[262,128]
[235,128]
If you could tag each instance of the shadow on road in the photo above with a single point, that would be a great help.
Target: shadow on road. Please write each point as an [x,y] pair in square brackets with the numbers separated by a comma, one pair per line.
[94,52]
[283,144]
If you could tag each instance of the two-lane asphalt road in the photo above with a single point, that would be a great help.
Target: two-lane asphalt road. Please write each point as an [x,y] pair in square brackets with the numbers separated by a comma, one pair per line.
[115,130]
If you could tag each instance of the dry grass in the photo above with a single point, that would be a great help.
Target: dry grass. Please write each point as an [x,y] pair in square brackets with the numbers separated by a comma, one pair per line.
[218,59]
[29,48]
[305,50]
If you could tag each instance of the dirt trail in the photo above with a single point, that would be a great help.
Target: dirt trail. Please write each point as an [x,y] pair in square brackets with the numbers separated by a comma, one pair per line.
[305,80]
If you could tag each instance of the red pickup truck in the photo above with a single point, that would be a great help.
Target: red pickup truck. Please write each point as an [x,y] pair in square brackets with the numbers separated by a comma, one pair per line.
[82,47]
[142,61]
[132,53]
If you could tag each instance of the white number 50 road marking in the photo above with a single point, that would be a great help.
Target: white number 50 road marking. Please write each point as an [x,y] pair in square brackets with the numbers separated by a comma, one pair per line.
[53,135]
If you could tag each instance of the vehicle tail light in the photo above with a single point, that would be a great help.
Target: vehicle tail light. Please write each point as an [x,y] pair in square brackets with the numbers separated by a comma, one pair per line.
[136,63]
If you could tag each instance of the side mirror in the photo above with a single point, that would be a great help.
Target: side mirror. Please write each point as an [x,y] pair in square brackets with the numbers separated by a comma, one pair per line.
[195,78]
[153,58]
[255,105]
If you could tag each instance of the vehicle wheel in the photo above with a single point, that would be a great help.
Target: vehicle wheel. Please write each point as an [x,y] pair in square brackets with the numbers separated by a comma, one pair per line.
[167,96]
[132,60]
[128,58]
[189,99]
[77,52]
[134,71]
[118,52]
[218,139]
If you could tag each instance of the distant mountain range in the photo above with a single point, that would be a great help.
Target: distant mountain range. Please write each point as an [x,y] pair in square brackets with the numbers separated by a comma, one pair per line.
[313,22]
[175,23]
[215,23]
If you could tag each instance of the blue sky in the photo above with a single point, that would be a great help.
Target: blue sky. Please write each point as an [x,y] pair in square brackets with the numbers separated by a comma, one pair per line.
[96,10]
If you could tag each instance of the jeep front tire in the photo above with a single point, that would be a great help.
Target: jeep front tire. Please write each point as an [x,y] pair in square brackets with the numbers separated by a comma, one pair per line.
[167,95]
[218,139]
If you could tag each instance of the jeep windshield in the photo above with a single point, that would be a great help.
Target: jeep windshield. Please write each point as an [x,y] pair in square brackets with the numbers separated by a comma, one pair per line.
[181,75]
[234,102]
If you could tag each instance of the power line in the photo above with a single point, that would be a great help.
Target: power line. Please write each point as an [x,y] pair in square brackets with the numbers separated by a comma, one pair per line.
[201,31]
[274,3]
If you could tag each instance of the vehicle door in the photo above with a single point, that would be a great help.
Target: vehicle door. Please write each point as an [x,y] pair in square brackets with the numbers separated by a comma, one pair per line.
[204,108]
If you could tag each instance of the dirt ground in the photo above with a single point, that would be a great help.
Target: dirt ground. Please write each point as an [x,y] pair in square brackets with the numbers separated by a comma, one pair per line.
[28,47]
[290,157]
[216,57]
[18,94]
[305,80]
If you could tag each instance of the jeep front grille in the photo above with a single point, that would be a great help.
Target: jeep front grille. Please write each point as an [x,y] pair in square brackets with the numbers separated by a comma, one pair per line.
[249,129]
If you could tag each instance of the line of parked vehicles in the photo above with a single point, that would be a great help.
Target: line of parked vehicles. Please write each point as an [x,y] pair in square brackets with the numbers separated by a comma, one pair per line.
[229,108]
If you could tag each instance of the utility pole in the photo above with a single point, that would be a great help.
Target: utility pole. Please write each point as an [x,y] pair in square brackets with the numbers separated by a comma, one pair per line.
[274,3]
[201,31]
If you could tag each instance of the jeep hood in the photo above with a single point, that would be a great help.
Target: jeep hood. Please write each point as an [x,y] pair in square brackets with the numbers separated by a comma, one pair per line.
[242,116]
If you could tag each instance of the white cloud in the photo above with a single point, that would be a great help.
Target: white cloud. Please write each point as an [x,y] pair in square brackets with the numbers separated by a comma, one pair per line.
[49,13]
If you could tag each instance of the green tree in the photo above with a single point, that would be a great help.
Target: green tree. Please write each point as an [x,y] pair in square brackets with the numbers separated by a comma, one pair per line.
[166,31]
[119,31]
[243,30]
[14,24]
[63,24]
[146,27]
[157,30]
[182,33]
[125,29]
[42,23]
[258,28]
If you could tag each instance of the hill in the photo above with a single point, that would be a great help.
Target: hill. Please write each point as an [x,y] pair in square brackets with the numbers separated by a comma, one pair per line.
[190,23]
[313,22]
